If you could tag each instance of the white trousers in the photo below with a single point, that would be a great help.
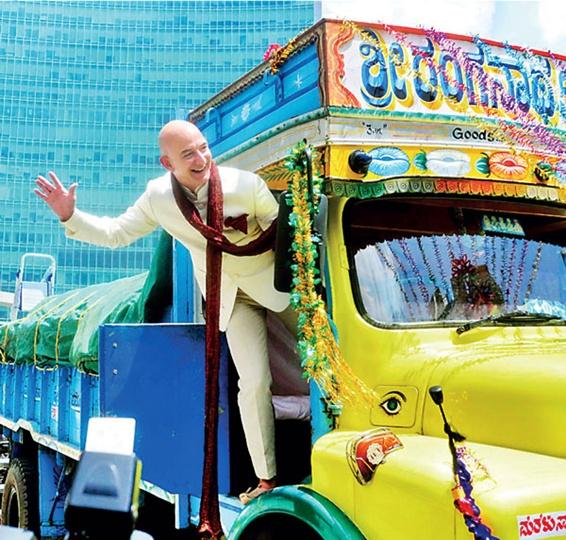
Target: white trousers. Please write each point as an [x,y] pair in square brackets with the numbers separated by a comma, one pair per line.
[247,339]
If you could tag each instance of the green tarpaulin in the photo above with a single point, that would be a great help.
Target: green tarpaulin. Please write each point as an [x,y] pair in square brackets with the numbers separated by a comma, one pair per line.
[63,329]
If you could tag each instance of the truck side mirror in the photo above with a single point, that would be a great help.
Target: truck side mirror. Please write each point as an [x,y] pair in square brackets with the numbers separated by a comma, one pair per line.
[436,394]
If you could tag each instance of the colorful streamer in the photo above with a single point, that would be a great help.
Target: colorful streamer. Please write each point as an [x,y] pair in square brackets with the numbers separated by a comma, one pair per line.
[320,355]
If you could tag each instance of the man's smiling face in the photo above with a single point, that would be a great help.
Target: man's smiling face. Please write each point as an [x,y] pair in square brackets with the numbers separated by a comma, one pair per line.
[185,153]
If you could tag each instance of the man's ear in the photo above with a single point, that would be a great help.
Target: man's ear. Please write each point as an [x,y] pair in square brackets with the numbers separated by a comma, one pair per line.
[166,162]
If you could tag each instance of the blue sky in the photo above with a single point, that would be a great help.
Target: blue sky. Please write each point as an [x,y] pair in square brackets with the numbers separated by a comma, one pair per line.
[537,24]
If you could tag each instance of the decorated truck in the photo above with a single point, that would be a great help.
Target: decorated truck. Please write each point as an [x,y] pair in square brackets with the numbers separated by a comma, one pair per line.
[422,186]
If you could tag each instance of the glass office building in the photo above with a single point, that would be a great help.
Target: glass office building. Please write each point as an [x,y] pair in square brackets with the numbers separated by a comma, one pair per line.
[85,87]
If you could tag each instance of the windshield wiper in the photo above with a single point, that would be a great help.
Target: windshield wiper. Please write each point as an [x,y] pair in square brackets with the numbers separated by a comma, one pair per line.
[518,316]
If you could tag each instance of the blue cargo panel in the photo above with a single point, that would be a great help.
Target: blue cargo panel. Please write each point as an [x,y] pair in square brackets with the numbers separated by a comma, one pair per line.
[54,404]
[291,91]
[155,374]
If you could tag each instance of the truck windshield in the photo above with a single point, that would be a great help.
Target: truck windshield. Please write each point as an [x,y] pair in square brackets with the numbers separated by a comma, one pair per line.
[419,261]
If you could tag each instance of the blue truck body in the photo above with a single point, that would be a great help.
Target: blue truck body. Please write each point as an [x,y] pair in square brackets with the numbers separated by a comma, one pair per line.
[151,372]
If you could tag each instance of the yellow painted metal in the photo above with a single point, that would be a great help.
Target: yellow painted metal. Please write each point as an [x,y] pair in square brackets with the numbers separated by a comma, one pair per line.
[410,494]
[503,389]
[488,374]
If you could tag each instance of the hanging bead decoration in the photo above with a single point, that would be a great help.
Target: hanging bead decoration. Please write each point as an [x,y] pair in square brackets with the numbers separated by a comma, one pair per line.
[502,275]
[426,262]
[405,273]
[534,271]
[510,273]
[439,260]
[520,272]
[396,274]
[425,297]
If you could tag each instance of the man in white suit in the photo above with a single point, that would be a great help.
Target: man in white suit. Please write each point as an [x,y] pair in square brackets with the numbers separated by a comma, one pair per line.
[247,282]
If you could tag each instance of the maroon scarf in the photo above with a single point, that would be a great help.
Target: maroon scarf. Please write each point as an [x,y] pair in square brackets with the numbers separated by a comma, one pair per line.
[217,243]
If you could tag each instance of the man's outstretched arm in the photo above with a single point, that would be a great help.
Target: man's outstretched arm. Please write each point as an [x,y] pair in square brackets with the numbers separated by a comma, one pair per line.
[61,200]
[135,222]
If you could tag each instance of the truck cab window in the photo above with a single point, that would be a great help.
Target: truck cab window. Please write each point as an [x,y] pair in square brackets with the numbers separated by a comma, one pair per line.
[448,261]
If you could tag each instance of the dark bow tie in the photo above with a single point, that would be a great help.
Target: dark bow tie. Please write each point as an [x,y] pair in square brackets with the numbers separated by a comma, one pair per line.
[239,223]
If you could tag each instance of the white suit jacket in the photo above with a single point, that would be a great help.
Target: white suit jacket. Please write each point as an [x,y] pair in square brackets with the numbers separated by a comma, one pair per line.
[244,193]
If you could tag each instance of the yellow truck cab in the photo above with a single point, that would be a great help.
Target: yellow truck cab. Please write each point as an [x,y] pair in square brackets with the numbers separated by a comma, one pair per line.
[443,265]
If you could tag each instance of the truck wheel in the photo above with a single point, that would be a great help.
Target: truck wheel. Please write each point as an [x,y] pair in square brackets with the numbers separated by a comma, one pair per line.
[279,527]
[20,498]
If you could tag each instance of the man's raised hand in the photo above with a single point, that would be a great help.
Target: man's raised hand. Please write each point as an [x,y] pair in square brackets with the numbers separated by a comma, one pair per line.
[61,200]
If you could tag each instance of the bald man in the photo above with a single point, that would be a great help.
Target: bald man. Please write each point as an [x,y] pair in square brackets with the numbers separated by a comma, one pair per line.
[247,282]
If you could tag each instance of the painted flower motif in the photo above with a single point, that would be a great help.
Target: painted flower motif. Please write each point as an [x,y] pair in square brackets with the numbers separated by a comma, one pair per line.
[448,162]
[389,161]
[508,166]
[245,114]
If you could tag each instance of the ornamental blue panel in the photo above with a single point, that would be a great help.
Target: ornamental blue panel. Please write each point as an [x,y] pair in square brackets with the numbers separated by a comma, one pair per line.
[291,91]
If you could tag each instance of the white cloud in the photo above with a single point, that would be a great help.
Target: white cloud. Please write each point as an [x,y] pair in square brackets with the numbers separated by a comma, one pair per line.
[450,16]
[538,24]
[552,20]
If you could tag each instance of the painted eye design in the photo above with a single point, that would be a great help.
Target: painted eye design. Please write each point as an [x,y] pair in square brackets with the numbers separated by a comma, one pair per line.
[389,161]
[392,405]
[448,162]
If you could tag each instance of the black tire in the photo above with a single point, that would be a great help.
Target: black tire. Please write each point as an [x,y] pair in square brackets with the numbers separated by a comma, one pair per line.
[20,499]
[279,527]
